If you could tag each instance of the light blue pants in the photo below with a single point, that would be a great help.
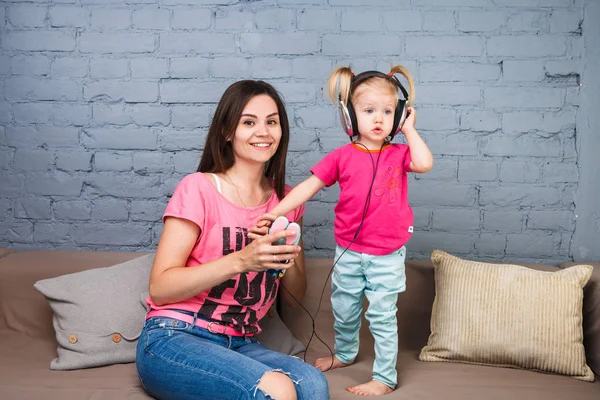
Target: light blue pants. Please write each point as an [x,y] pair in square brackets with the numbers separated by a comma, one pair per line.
[380,278]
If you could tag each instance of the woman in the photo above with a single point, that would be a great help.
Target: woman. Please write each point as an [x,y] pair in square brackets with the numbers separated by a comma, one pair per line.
[210,283]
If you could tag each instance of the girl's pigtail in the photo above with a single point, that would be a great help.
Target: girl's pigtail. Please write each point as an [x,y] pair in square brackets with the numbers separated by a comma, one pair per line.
[399,69]
[338,85]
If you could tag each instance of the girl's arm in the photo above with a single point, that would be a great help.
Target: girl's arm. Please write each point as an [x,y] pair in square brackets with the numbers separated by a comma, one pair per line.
[294,280]
[171,281]
[299,195]
[421,157]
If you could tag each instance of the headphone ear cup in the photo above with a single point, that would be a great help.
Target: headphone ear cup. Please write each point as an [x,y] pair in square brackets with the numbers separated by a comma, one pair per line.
[399,117]
[353,120]
[345,119]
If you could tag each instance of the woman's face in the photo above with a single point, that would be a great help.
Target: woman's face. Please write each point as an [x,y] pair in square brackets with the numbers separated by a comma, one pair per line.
[258,132]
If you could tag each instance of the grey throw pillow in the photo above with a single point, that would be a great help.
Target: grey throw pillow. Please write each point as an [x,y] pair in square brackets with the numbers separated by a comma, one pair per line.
[98,313]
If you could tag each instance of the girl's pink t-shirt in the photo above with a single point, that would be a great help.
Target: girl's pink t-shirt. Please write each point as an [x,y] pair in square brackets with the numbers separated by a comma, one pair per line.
[243,300]
[388,222]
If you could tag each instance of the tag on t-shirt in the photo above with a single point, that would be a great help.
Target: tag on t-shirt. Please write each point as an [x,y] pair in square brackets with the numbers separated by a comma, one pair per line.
[410,229]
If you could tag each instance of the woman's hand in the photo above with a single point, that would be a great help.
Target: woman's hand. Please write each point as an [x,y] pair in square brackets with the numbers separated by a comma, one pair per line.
[262,226]
[261,254]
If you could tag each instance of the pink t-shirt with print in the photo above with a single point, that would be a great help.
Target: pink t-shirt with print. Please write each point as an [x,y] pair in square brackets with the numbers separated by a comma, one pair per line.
[389,218]
[243,300]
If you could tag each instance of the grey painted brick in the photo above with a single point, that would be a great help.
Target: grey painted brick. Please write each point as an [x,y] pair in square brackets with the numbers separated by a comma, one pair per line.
[5,208]
[39,41]
[114,114]
[12,184]
[234,19]
[113,90]
[521,121]
[359,45]
[5,114]
[2,17]
[451,144]
[142,210]
[422,217]
[5,157]
[521,146]
[437,119]
[563,67]
[551,220]
[303,140]
[109,209]
[563,121]
[360,20]
[74,161]
[284,43]
[69,67]
[309,67]
[519,171]
[458,72]
[149,68]
[17,231]
[52,232]
[147,163]
[42,136]
[532,244]
[26,113]
[425,242]
[320,215]
[67,16]
[185,161]
[531,3]
[321,239]
[30,65]
[480,21]
[110,19]
[297,92]
[105,43]
[149,115]
[230,67]
[27,15]
[33,160]
[19,89]
[190,18]
[449,95]
[523,71]
[191,116]
[199,2]
[37,208]
[423,193]
[569,149]
[526,46]
[54,184]
[439,21]
[113,161]
[151,18]
[198,43]
[565,21]
[528,21]
[72,210]
[575,46]
[182,140]
[133,186]
[479,121]
[536,197]
[491,244]
[446,46]
[443,169]
[119,139]
[189,67]
[372,3]
[69,114]
[124,234]
[554,172]
[503,221]
[275,19]
[318,20]
[455,220]
[4,64]
[316,117]
[530,97]
[180,91]
[269,68]
[473,171]
[109,68]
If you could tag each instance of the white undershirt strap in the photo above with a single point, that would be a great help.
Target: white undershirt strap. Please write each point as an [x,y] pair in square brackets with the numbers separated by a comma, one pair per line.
[217,182]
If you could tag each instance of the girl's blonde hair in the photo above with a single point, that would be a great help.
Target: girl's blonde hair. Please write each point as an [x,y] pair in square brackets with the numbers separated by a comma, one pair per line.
[339,84]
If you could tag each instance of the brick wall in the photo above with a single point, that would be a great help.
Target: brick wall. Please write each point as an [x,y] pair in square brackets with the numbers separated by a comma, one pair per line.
[105,104]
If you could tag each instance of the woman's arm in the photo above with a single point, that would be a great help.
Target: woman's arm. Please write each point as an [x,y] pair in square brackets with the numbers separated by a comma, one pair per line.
[294,280]
[171,281]
[421,157]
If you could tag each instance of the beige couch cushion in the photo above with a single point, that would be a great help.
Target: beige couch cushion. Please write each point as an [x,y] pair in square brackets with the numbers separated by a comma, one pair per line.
[509,316]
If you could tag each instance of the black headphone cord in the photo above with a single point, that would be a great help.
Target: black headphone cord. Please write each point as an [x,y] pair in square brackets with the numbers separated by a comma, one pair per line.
[375,166]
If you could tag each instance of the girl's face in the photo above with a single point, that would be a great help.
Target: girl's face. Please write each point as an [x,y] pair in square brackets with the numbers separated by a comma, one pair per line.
[374,108]
[258,132]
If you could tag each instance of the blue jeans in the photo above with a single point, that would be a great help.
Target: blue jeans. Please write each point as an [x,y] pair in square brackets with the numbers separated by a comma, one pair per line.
[380,279]
[177,360]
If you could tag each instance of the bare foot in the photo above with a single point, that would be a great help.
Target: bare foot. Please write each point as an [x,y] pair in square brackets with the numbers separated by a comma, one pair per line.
[373,388]
[324,363]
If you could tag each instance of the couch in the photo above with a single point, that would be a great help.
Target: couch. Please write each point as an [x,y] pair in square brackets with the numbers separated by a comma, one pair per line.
[27,341]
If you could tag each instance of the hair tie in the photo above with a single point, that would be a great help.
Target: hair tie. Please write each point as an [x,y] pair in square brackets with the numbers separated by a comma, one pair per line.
[390,74]
[352,74]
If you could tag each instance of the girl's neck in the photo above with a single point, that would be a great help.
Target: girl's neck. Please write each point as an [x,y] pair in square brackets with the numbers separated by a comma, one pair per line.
[370,145]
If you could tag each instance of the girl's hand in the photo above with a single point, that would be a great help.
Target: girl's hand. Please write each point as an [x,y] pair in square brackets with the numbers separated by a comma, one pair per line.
[262,226]
[411,119]
[261,254]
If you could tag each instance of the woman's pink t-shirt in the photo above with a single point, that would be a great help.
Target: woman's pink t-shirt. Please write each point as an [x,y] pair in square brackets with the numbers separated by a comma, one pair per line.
[388,223]
[243,300]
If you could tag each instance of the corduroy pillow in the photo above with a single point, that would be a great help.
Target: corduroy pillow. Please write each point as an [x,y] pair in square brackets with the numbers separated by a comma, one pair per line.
[99,315]
[508,316]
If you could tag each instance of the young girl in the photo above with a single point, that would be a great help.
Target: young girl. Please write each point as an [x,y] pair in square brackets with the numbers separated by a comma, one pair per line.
[209,286]
[373,218]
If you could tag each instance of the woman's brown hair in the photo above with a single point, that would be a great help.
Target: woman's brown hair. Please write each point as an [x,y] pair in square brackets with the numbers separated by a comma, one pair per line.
[218,152]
